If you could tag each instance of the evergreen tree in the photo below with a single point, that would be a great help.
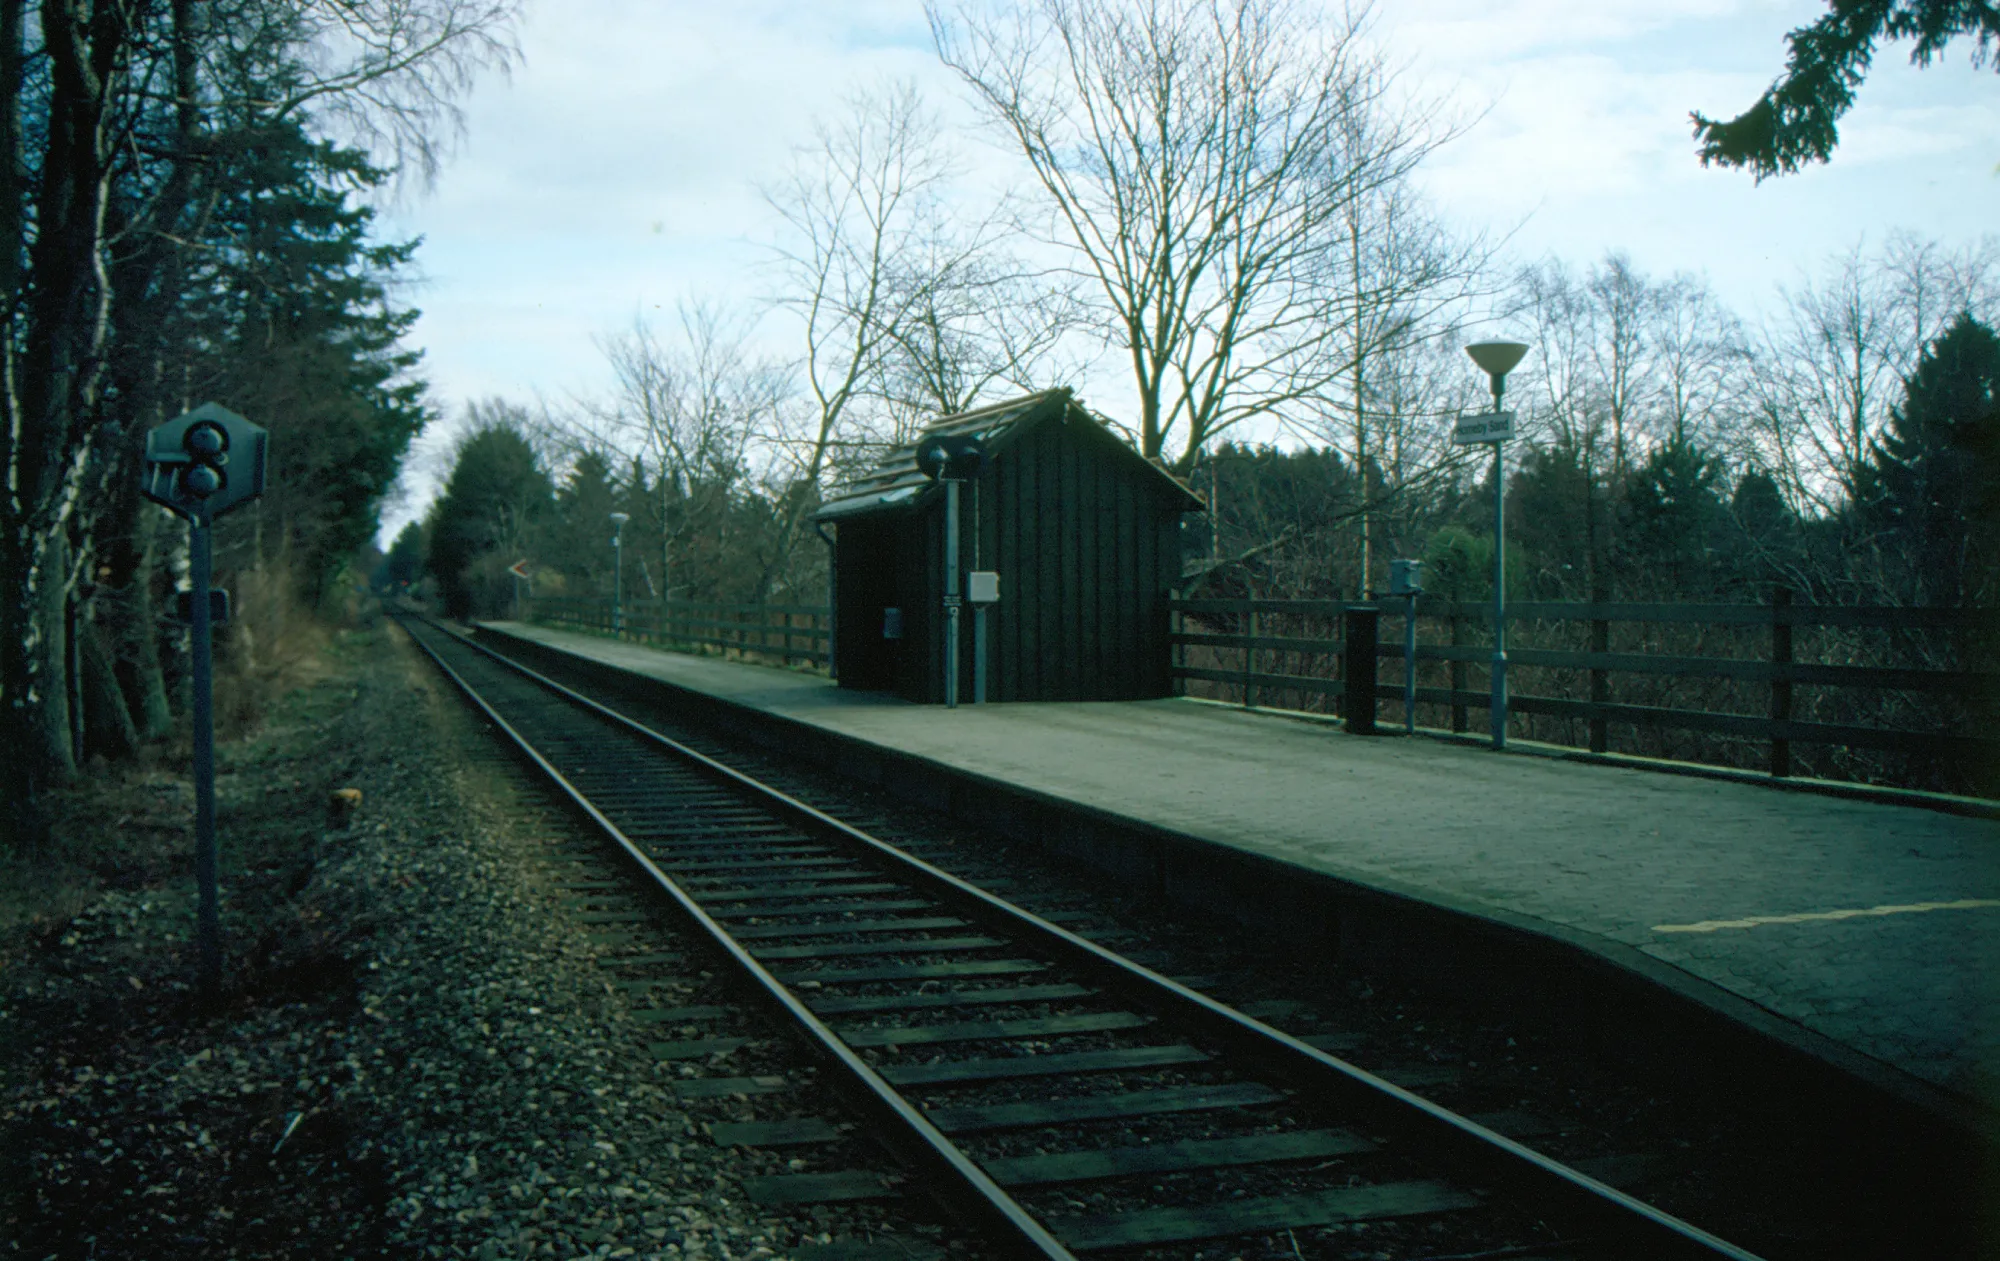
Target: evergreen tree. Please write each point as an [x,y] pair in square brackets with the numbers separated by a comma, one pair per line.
[1796,120]
[1552,506]
[291,323]
[404,564]
[1764,536]
[580,538]
[1284,522]
[497,497]
[1930,488]
[1458,565]
[1671,522]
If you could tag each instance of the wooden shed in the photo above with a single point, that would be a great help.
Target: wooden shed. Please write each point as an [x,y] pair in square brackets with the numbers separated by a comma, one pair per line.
[1084,534]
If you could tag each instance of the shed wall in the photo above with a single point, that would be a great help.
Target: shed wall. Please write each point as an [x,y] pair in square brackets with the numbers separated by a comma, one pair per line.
[1087,545]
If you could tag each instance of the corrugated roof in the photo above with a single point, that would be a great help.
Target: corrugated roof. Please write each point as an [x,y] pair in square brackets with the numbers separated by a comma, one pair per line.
[897,483]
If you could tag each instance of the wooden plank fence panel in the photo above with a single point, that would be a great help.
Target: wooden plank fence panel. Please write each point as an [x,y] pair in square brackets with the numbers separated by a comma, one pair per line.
[1778,670]
[771,632]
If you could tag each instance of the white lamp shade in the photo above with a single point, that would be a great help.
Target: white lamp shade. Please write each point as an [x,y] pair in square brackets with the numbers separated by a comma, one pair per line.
[1497,358]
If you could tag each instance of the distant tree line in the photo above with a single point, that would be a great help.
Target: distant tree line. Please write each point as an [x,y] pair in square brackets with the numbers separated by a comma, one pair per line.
[1849,450]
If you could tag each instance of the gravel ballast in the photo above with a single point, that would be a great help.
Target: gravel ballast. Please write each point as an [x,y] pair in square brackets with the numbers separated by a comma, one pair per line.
[418,1054]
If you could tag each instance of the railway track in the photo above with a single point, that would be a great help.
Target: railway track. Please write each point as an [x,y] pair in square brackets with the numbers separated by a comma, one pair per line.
[1058,1099]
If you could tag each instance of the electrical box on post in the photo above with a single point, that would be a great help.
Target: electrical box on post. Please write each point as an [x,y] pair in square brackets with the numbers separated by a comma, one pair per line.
[1406,577]
[982,586]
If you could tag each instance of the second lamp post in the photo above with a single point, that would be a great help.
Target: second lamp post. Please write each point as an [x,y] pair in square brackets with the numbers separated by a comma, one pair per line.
[1496,359]
[618,520]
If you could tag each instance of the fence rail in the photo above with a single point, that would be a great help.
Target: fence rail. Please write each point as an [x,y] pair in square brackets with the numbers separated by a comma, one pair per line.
[1881,693]
[786,634]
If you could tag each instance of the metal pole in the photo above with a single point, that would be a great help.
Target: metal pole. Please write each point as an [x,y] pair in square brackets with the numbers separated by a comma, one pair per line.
[951,601]
[208,916]
[1410,666]
[618,581]
[1499,583]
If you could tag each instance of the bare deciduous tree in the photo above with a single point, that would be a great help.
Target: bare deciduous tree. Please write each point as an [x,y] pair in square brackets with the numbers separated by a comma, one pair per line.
[1199,162]
[908,306]
[1408,277]
[1832,360]
[691,411]
[862,208]
[382,75]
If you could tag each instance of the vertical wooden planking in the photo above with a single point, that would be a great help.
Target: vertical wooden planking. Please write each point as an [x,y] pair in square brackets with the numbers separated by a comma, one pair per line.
[1113,647]
[1048,565]
[1145,567]
[1057,503]
[1029,583]
[916,591]
[1007,559]
[1123,524]
[1071,637]
[1090,649]
[1130,534]
[985,550]
[1091,539]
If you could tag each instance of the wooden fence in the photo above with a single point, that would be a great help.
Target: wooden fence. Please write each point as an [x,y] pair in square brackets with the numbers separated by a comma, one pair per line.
[780,634]
[1897,695]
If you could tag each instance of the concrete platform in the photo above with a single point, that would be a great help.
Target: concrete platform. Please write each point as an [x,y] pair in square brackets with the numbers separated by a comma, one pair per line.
[1865,932]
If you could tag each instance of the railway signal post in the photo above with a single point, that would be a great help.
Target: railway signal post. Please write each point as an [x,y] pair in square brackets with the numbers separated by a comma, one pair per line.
[200,466]
[1496,359]
[952,460]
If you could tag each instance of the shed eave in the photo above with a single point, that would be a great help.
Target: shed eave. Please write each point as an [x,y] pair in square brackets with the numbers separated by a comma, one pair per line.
[893,500]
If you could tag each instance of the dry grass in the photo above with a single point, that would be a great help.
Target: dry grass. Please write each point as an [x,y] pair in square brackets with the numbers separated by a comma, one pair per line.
[274,646]
[129,825]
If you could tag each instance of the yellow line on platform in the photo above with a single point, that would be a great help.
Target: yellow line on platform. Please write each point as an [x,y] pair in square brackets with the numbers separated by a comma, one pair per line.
[1752,921]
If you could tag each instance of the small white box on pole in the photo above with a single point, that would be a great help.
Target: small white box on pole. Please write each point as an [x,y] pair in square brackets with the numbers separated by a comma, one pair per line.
[1482,427]
[982,586]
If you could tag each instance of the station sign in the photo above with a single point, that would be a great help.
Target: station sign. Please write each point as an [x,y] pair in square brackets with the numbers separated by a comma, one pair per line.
[1483,427]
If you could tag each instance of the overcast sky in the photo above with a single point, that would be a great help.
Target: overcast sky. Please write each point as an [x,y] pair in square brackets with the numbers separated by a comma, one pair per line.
[615,172]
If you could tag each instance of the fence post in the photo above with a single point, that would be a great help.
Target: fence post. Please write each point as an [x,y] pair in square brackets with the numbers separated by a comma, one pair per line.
[1458,718]
[1781,687]
[1250,657]
[1600,680]
[1360,624]
[1177,659]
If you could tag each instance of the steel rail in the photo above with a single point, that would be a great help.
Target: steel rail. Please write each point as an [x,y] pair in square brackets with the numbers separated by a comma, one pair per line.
[1474,1151]
[953,1176]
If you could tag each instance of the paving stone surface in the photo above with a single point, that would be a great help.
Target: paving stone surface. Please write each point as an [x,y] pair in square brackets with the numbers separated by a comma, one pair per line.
[1662,863]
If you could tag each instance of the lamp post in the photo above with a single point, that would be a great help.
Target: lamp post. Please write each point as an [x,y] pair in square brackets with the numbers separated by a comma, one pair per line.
[1496,359]
[618,520]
